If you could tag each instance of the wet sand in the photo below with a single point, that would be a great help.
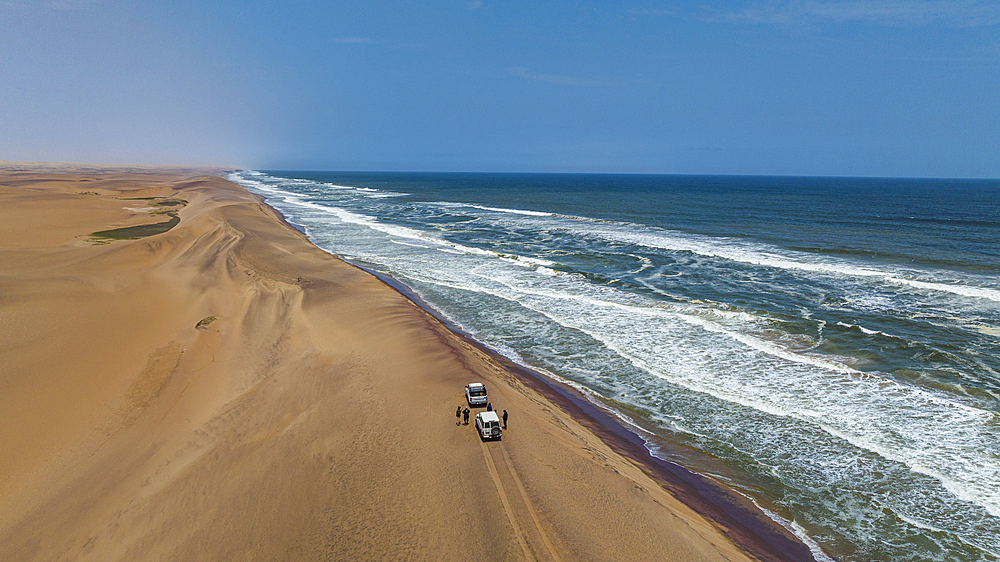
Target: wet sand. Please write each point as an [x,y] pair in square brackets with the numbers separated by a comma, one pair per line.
[185,376]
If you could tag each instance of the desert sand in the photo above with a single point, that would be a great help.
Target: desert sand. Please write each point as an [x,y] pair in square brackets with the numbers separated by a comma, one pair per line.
[218,388]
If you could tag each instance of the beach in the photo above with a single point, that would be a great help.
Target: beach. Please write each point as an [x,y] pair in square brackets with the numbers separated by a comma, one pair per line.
[186,376]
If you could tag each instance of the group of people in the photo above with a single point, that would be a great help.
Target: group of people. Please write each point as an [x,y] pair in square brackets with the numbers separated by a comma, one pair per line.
[464,415]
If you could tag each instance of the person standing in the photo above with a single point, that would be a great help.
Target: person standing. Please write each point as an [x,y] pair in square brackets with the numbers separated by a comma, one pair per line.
[505,419]
[465,414]
[489,407]
[458,416]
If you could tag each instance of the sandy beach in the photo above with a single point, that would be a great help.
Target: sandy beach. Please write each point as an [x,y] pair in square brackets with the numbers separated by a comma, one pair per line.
[185,376]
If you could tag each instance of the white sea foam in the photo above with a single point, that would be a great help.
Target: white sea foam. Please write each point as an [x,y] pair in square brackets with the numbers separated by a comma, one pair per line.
[764,256]
[722,248]
[412,245]
[770,348]
[901,423]
[752,254]
[260,186]
[795,529]
[398,231]
[862,328]
[530,261]
[370,222]
[512,211]
[866,331]
[993,331]
[963,290]
[646,263]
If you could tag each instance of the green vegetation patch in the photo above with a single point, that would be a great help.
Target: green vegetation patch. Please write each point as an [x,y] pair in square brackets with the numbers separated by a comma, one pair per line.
[169,203]
[204,322]
[141,231]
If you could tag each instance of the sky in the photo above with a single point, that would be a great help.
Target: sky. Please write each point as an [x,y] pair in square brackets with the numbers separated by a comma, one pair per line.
[904,88]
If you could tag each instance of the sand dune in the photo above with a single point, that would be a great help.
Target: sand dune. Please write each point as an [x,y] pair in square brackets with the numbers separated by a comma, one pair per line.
[225,389]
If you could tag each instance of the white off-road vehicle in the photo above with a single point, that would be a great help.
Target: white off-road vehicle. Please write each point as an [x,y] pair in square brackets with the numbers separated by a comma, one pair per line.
[488,425]
[475,393]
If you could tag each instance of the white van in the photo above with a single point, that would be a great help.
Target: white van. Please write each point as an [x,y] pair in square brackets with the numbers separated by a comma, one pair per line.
[488,425]
[475,393]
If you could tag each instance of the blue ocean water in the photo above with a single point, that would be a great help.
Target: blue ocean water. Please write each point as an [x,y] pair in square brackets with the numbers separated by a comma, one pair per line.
[829,347]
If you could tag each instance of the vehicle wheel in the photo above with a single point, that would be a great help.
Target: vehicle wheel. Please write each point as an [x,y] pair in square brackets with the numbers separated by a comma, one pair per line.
[495,433]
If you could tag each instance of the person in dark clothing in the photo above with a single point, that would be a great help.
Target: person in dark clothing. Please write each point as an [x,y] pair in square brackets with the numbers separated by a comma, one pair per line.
[458,416]
[465,414]
[489,407]
[505,419]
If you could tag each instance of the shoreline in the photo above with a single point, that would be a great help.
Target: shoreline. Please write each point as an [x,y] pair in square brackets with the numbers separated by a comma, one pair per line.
[221,385]
[750,527]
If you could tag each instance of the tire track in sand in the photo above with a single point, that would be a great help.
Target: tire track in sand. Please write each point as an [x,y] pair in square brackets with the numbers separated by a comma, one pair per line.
[531,509]
[506,501]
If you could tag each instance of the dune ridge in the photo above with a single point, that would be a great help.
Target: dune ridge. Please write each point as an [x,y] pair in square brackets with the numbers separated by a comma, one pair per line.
[225,388]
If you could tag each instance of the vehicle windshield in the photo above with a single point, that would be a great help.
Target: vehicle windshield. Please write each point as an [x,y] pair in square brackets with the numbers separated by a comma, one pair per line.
[477,391]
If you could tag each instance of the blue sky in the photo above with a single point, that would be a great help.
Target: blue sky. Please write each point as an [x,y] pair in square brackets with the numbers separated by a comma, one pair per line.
[806,87]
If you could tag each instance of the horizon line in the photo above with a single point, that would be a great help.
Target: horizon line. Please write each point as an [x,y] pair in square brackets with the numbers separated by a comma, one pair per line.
[830,176]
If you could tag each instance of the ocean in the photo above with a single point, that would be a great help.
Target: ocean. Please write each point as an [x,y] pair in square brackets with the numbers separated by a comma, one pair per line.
[828,347]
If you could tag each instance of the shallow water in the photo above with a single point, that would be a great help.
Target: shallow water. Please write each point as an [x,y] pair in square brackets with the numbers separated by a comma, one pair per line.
[831,345]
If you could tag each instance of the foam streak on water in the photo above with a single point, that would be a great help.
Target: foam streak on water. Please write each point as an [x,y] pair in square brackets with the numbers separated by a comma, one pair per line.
[850,387]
